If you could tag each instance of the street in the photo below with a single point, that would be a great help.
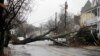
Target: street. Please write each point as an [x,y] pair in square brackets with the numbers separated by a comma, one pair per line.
[41,48]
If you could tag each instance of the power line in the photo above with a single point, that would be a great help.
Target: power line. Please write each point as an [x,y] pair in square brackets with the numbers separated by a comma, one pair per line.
[41,21]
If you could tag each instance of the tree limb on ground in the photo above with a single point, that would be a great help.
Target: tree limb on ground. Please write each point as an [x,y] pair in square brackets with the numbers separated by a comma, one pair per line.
[44,37]
[32,39]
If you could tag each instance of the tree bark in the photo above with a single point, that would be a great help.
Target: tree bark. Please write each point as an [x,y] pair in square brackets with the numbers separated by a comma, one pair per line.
[1,31]
[2,42]
[7,38]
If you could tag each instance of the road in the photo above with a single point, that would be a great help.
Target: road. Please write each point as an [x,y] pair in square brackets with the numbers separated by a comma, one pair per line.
[41,48]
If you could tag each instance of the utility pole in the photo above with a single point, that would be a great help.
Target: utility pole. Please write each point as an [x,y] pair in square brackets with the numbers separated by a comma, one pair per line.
[41,30]
[66,6]
[56,20]
[56,25]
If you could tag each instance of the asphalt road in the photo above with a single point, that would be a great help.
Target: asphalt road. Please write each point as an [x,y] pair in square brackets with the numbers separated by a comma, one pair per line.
[41,48]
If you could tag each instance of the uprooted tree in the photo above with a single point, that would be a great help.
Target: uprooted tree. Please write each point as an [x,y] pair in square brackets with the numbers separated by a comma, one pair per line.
[44,37]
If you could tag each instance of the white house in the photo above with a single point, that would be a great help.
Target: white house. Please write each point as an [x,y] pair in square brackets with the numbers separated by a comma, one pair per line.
[90,14]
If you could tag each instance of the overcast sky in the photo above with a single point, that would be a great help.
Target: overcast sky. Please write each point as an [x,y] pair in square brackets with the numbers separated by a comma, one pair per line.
[44,9]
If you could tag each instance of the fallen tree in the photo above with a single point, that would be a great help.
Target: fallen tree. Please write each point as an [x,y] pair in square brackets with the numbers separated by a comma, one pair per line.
[32,39]
[44,37]
[84,36]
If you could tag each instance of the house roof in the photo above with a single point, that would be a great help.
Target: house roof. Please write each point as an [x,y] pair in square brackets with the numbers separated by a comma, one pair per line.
[86,7]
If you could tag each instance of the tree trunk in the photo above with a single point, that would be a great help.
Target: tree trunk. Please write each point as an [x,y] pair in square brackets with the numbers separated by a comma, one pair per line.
[1,31]
[8,38]
[44,37]
[2,42]
[1,12]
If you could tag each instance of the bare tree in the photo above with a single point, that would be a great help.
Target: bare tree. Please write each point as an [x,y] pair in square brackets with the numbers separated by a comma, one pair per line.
[8,15]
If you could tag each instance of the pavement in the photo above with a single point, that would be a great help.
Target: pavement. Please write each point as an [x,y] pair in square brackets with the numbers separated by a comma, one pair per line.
[42,48]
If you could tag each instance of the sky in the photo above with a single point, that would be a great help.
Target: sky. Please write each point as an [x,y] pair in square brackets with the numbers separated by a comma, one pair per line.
[43,10]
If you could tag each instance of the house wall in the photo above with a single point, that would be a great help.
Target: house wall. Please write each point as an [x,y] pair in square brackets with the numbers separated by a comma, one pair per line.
[98,24]
[85,17]
[76,19]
